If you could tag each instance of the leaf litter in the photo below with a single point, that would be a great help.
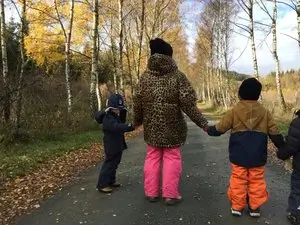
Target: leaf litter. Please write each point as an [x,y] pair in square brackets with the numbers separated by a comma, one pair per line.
[23,194]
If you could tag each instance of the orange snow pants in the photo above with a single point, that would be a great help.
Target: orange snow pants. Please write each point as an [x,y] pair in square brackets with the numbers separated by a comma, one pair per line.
[247,186]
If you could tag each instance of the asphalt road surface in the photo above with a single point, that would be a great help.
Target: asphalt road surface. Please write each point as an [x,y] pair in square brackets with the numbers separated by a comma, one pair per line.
[205,177]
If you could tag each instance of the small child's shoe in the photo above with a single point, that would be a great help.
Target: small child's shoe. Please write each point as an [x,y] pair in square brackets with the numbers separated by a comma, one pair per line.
[115,185]
[254,213]
[173,201]
[235,212]
[294,219]
[152,199]
[105,190]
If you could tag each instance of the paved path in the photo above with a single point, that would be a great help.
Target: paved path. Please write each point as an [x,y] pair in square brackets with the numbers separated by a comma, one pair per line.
[205,177]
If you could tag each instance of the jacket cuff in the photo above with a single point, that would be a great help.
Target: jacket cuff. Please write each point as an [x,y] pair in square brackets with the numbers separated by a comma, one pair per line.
[278,140]
[212,131]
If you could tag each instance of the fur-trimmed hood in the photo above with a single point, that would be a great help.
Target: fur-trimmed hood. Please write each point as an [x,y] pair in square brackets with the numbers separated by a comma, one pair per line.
[160,65]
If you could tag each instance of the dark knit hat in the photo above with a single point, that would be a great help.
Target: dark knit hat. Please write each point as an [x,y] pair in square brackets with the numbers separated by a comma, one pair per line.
[161,47]
[250,89]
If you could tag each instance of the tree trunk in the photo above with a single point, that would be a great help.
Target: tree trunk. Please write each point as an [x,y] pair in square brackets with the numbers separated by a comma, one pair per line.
[121,30]
[68,37]
[113,52]
[7,107]
[23,31]
[154,26]
[94,97]
[129,66]
[251,29]
[275,55]
[141,39]
[68,57]
[208,85]
[298,19]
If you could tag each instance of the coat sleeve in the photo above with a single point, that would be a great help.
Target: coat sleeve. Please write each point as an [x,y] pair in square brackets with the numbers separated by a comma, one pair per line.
[273,132]
[292,145]
[138,107]
[223,126]
[226,123]
[123,115]
[188,102]
[112,125]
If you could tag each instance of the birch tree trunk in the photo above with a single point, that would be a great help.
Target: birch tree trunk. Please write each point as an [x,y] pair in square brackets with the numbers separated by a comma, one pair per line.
[141,36]
[113,51]
[208,84]
[298,19]
[252,38]
[94,95]
[275,55]
[6,108]
[121,36]
[155,19]
[129,64]
[23,31]
[68,37]
[68,57]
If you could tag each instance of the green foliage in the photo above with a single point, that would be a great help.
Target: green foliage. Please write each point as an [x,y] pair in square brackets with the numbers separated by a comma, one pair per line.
[237,76]
[283,127]
[20,159]
[105,68]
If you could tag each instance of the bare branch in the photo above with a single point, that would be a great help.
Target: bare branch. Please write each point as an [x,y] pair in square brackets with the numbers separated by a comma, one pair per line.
[59,20]
[293,6]
[291,37]
[242,52]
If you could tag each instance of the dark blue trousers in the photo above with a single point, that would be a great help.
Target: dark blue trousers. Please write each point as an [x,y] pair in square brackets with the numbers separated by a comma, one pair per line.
[294,198]
[108,170]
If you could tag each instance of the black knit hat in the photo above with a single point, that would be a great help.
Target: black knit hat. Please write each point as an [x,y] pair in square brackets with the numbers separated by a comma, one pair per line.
[250,89]
[161,47]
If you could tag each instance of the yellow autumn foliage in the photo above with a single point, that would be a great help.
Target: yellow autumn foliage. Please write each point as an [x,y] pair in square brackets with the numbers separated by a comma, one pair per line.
[46,39]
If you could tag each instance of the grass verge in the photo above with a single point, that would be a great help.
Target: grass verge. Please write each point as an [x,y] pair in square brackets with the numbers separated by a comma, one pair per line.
[211,111]
[19,159]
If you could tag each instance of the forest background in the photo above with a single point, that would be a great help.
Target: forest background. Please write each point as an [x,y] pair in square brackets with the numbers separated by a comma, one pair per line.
[61,59]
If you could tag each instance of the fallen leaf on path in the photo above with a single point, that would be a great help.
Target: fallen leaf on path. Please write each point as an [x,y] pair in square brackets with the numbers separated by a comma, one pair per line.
[20,195]
[37,206]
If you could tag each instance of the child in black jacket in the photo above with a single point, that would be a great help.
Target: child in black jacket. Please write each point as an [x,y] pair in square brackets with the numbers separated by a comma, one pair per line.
[113,142]
[292,148]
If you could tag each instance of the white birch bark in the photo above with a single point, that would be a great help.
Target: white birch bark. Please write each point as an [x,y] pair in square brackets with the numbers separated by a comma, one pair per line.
[5,65]
[275,55]
[298,19]
[121,36]
[95,98]
[68,37]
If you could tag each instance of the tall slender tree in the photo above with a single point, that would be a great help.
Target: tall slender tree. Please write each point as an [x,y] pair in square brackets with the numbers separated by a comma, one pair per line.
[68,37]
[95,99]
[247,7]
[273,18]
[7,101]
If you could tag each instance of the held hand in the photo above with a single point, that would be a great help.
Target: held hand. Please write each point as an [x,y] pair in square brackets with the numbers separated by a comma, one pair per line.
[205,128]
[134,126]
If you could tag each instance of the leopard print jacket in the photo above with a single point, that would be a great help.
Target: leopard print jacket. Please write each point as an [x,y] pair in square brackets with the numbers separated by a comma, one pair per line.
[163,93]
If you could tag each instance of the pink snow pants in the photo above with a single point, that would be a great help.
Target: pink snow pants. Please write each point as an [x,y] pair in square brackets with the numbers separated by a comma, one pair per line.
[171,172]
